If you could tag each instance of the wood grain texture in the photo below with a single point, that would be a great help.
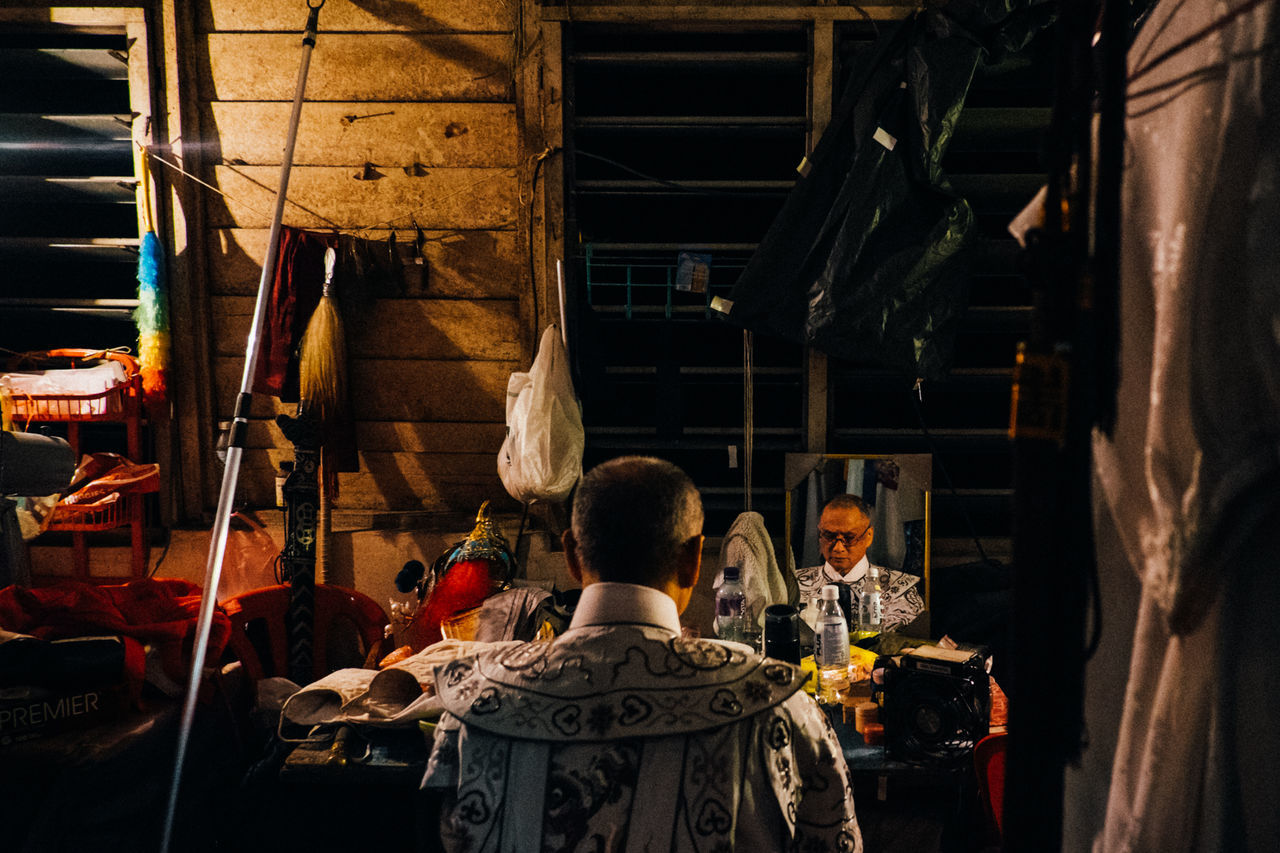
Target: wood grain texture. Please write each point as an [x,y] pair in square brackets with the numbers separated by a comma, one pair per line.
[355,67]
[193,471]
[392,135]
[687,13]
[398,437]
[331,197]
[389,481]
[437,329]
[393,389]
[459,264]
[361,16]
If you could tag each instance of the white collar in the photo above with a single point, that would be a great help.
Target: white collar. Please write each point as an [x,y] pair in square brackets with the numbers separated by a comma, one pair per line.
[857,573]
[609,603]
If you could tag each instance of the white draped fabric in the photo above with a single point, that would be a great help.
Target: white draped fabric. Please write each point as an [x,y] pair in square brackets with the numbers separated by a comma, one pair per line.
[1191,477]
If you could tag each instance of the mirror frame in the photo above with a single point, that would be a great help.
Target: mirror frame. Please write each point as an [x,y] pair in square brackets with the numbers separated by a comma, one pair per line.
[797,467]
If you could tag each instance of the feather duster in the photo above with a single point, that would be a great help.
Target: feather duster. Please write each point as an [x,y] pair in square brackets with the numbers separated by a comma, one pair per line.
[152,319]
[152,314]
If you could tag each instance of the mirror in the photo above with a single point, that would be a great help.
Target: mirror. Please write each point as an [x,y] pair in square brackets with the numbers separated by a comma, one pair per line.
[898,486]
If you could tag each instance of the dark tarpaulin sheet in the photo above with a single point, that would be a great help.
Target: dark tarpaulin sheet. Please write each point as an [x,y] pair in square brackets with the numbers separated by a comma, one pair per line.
[867,260]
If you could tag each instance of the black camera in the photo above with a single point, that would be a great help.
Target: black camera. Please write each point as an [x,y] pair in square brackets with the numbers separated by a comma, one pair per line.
[935,704]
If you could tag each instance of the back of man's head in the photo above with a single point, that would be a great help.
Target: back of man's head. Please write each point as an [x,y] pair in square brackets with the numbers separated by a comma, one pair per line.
[631,517]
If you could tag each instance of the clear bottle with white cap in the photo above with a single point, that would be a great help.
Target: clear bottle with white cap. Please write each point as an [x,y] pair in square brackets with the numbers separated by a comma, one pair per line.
[731,607]
[831,646]
[871,602]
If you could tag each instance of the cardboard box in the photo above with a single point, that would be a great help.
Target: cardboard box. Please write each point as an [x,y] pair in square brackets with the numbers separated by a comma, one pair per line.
[27,713]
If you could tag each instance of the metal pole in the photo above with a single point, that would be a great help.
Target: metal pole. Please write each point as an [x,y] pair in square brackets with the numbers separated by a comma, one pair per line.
[564,323]
[1065,378]
[239,428]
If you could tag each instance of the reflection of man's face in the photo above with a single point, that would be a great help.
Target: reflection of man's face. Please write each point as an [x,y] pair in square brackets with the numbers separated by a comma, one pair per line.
[844,534]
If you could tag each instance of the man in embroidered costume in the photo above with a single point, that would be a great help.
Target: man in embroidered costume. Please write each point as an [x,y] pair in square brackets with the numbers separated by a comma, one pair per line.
[844,535]
[622,736]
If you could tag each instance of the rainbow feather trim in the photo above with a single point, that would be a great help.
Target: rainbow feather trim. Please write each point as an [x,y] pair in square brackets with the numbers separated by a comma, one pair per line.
[152,319]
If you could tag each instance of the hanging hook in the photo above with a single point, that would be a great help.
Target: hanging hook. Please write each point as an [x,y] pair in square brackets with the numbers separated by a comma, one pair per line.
[419,243]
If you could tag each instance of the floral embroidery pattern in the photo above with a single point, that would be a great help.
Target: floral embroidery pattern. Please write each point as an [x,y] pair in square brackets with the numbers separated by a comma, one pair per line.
[709,770]
[566,719]
[600,719]
[580,702]
[726,704]
[778,673]
[578,790]
[701,654]
[455,673]
[547,690]
[779,733]
[534,662]
[634,710]
[472,808]
[783,768]
[487,702]
[713,819]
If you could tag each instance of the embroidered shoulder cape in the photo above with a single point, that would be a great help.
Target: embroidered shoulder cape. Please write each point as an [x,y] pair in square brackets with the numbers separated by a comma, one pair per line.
[625,738]
[902,599]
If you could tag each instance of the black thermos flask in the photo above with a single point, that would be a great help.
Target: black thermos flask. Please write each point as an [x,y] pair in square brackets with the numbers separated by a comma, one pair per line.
[782,632]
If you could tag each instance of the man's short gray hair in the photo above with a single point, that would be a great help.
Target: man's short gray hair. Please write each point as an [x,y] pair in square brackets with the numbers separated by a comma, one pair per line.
[846,501]
[631,516]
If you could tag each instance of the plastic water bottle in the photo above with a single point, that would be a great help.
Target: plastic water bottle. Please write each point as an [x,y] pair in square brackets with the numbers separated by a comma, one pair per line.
[731,607]
[809,613]
[871,603]
[831,646]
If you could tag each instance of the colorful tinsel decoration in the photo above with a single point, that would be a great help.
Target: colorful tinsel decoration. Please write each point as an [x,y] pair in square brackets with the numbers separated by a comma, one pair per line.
[152,313]
[152,319]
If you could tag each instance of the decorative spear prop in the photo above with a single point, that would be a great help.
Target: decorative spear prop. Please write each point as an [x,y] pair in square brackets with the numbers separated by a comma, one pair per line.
[239,428]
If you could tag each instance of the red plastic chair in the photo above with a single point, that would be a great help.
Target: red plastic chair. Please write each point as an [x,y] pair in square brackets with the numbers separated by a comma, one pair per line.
[260,640]
[988,762]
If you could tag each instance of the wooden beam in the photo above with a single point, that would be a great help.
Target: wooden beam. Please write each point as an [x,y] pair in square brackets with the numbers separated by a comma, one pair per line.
[356,67]
[459,264]
[332,197]
[103,14]
[528,72]
[388,481]
[145,99]
[191,376]
[393,135]
[821,77]
[420,16]
[442,329]
[399,436]
[738,13]
[553,204]
[394,389]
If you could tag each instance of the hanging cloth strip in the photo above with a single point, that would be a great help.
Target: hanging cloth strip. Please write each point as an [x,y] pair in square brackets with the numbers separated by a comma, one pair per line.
[295,293]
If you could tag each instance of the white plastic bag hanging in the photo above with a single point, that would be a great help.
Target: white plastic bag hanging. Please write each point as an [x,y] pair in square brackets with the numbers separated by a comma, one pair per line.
[541,458]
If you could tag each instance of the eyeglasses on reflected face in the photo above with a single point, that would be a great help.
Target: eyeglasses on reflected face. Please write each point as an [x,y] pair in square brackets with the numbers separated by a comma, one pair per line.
[846,539]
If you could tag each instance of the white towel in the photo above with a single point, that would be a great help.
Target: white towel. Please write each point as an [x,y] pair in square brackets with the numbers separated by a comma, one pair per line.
[748,546]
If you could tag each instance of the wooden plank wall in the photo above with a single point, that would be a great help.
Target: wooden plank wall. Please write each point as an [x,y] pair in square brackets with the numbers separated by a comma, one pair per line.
[424,91]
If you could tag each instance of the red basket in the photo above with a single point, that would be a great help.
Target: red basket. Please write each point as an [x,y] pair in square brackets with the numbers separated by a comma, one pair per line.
[107,514]
[108,405]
